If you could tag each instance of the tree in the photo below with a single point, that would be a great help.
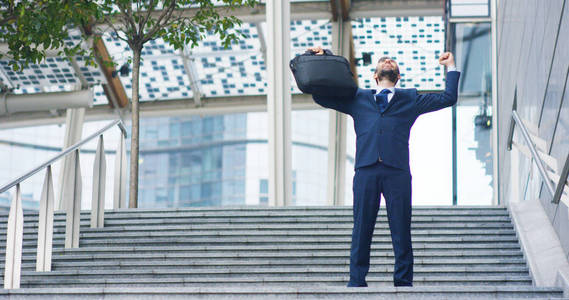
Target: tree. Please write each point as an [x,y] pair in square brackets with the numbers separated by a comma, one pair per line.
[31,28]
[178,22]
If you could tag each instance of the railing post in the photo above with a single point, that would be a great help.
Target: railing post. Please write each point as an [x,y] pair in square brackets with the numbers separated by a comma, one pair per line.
[119,200]
[14,239]
[72,198]
[99,176]
[45,225]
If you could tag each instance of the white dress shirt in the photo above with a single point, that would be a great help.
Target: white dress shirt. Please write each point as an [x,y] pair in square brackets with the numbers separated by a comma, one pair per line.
[390,95]
[392,89]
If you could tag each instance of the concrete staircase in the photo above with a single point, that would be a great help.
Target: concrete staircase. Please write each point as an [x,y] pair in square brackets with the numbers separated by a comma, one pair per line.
[268,253]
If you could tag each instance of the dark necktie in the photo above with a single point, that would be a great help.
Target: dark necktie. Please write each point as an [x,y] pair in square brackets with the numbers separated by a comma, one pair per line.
[381,99]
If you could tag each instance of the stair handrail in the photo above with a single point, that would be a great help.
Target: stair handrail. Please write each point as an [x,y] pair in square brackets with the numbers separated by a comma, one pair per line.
[555,192]
[70,197]
[61,154]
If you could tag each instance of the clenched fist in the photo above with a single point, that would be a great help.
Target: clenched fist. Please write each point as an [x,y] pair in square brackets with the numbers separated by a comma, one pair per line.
[447,59]
[317,49]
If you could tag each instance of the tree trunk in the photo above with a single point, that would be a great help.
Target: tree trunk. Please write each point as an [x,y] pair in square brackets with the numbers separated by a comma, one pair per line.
[133,187]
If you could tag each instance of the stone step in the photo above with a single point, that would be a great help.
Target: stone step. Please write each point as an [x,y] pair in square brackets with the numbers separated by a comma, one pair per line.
[288,292]
[190,238]
[30,256]
[266,220]
[339,281]
[175,244]
[379,249]
[274,262]
[281,210]
[316,233]
[60,227]
[262,253]
[268,270]
[450,215]
[103,260]
[246,229]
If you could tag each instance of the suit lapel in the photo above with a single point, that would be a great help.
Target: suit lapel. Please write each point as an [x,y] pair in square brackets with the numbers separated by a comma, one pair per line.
[372,99]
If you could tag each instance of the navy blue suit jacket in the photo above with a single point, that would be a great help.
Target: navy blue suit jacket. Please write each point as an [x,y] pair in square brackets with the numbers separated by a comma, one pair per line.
[385,136]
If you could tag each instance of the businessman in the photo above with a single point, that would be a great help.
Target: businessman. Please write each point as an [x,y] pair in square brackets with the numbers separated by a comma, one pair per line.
[382,120]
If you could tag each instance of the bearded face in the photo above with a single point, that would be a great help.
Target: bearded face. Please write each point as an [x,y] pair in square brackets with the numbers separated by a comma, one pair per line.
[388,69]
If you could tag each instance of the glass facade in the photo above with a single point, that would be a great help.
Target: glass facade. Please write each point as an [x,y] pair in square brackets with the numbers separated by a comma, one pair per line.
[222,160]
[192,161]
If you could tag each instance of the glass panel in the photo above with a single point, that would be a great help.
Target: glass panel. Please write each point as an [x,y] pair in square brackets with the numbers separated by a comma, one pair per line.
[470,8]
[474,115]
[226,160]
[430,153]
[310,156]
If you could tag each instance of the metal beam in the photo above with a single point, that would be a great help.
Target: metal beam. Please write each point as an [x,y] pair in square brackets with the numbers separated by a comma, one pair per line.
[174,107]
[192,76]
[345,5]
[161,108]
[77,69]
[394,8]
[279,102]
[495,107]
[298,11]
[312,10]
[114,84]
[25,103]
[262,40]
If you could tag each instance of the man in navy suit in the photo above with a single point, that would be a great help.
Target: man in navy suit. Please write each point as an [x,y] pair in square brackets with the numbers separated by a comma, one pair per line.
[382,120]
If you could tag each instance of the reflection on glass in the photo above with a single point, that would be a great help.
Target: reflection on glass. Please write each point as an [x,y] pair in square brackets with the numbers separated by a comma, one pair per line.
[222,160]
[474,114]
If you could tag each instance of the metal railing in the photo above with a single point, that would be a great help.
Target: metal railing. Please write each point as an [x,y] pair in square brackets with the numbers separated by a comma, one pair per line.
[71,198]
[549,175]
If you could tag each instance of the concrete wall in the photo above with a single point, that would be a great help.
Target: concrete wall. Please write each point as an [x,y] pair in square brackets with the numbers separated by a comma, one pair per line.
[533,64]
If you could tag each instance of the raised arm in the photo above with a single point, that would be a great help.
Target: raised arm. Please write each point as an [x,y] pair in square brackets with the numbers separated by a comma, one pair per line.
[336,103]
[435,101]
[339,104]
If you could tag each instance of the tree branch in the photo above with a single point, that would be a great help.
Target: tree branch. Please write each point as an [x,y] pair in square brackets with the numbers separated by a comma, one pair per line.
[148,13]
[110,22]
[158,25]
[127,18]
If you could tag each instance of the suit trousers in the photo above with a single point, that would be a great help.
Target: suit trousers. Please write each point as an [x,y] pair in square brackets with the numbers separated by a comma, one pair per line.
[395,185]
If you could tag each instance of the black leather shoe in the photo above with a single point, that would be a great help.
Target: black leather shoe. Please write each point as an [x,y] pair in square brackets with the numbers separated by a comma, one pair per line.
[403,284]
[350,284]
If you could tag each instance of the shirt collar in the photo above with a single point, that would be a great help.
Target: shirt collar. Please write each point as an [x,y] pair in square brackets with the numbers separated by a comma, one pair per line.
[379,89]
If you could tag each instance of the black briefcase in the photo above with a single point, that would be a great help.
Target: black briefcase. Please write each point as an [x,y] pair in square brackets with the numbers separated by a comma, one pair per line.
[323,75]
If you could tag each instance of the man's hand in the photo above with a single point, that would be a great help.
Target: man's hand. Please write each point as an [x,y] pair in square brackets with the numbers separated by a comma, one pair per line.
[447,59]
[318,50]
